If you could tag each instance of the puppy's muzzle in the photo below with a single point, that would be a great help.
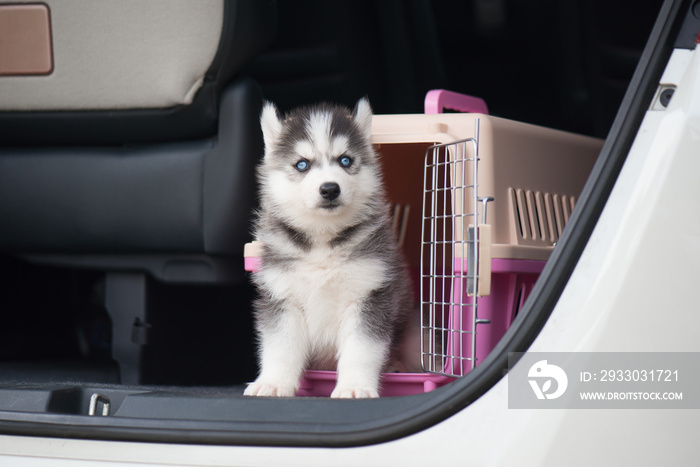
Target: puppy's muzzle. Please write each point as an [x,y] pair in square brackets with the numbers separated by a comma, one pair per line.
[329,191]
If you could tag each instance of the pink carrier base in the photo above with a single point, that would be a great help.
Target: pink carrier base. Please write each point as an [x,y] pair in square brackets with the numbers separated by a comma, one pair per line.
[512,281]
[316,383]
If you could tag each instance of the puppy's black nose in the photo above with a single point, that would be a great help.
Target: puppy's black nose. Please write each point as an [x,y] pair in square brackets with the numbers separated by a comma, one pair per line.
[330,190]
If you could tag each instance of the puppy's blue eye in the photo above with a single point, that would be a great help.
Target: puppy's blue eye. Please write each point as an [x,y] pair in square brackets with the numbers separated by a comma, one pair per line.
[345,161]
[302,166]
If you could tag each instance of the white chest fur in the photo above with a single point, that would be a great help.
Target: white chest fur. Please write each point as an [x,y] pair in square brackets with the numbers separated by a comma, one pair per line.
[325,288]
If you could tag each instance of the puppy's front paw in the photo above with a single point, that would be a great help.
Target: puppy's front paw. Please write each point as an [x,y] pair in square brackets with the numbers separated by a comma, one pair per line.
[263,389]
[354,393]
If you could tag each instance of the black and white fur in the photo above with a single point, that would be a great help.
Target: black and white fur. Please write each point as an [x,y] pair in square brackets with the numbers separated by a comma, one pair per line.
[334,293]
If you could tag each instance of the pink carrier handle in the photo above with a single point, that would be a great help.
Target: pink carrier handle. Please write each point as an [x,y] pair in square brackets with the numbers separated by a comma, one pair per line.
[439,99]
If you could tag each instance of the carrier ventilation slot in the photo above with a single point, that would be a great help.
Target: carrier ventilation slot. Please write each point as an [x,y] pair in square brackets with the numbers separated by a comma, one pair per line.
[540,217]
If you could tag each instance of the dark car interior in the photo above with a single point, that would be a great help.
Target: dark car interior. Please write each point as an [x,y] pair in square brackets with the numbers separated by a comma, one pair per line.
[123,228]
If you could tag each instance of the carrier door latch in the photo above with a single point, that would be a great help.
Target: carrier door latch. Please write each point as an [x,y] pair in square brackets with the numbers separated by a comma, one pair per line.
[479,254]
[479,260]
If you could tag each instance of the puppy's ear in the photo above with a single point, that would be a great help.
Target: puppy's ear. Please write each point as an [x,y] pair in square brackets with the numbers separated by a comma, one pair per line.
[271,124]
[363,116]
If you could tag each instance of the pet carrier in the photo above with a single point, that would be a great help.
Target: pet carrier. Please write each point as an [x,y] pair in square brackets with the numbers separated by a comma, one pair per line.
[489,228]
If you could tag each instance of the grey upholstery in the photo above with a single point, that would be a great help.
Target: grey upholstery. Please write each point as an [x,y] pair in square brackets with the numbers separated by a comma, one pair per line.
[177,197]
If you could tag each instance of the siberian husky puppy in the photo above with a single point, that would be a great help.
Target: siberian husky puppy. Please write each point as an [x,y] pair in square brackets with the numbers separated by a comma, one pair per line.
[333,288]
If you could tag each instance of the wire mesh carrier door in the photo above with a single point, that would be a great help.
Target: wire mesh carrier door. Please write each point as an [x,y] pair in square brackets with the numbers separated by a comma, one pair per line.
[455,256]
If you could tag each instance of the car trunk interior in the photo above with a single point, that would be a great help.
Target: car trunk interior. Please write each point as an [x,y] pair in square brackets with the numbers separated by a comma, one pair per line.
[562,66]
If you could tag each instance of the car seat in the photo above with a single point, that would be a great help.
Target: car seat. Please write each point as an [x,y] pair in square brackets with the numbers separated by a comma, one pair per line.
[128,143]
